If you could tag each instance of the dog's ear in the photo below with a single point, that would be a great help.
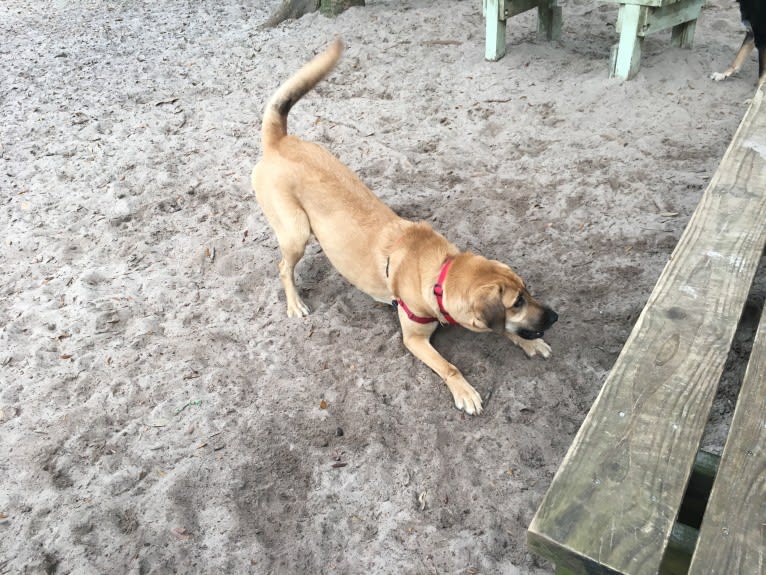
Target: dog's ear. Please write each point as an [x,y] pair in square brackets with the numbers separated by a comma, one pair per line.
[490,309]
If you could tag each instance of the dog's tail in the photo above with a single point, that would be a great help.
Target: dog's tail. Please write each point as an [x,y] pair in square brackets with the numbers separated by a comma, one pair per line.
[298,85]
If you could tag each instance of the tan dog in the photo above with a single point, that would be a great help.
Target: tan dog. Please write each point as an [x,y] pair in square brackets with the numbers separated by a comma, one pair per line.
[302,189]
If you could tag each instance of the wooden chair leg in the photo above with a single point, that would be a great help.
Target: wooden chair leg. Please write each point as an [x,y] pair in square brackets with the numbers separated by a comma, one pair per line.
[495,30]
[626,58]
[682,35]
[548,20]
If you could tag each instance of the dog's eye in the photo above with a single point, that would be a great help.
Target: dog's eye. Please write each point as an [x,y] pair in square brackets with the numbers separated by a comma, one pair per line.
[519,302]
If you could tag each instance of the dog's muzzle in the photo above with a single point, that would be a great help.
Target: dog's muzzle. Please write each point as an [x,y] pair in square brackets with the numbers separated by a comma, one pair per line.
[549,318]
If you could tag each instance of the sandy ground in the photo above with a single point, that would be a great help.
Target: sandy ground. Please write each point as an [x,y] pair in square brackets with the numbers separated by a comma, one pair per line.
[158,411]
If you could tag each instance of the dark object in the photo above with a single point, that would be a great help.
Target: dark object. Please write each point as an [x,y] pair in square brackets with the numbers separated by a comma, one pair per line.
[754,18]
[293,9]
[335,7]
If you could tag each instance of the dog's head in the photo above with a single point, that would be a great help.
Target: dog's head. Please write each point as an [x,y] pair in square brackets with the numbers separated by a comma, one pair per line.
[494,298]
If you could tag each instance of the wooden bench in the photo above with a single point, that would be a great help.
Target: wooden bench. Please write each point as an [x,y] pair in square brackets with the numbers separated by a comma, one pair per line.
[616,502]
[639,18]
[496,12]
[636,19]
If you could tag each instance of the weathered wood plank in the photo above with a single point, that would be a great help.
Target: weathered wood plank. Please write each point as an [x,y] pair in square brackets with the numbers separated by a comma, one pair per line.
[654,3]
[549,20]
[638,18]
[514,7]
[613,502]
[494,46]
[497,12]
[682,35]
[733,534]
[671,16]
[626,59]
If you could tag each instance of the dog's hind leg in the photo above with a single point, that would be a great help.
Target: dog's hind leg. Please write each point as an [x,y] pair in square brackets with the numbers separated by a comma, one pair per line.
[744,51]
[292,239]
[293,230]
[292,252]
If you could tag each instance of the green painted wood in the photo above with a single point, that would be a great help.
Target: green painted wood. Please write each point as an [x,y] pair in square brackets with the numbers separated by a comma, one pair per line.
[680,548]
[514,7]
[706,464]
[683,538]
[335,7]
[549,20]
[671,16]
[675,562]
[612,505]
[654,3]
[627,58]
[494,48]
[733,534]
[638,18]
[683,34]
[496,12]
[697,491]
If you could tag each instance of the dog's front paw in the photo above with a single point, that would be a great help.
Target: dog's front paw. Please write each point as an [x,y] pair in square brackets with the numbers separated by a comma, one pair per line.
[718,76]
[297,308]
[465,396]
[531,347]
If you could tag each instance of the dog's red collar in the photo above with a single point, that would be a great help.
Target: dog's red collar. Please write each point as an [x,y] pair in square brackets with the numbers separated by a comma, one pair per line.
[412,316]
[438,292]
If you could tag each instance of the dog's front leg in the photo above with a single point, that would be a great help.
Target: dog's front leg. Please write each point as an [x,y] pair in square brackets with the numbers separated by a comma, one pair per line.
[417,340]
[744,51]
[531,347]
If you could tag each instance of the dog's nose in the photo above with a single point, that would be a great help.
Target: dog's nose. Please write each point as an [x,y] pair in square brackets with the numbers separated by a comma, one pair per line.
[551,317]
